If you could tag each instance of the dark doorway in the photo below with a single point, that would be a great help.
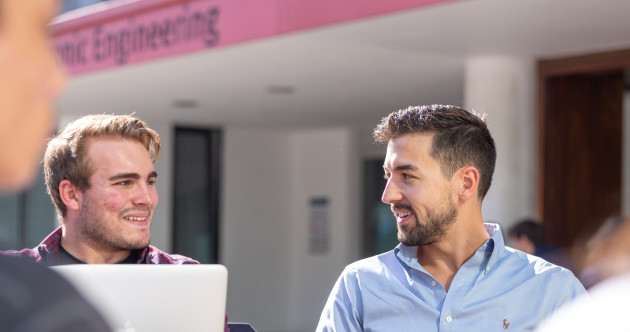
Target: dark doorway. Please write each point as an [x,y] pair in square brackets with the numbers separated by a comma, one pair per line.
[379,223]
[580,152]
[196,194]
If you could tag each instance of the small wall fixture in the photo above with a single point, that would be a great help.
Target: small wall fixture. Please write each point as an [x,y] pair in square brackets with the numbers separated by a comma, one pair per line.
[281,89]
[185,103]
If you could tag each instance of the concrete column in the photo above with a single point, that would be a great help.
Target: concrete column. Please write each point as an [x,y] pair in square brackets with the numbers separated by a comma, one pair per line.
[323,165]
[504,88]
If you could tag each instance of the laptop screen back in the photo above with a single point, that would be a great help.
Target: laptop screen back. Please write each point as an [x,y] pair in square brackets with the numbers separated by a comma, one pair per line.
[138,298]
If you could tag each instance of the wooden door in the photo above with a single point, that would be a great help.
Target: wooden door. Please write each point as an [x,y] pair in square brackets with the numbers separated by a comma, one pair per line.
[580,101]
[581,173]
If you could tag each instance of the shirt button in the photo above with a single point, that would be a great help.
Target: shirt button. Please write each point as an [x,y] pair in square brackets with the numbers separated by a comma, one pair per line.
[487,269]
[449,319]
[433,283]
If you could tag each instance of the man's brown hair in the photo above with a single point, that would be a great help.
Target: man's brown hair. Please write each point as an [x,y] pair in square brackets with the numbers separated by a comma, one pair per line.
[66,154]
[461,138]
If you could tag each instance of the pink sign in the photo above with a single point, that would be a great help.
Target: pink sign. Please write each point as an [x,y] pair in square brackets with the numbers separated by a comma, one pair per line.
[152,29]
[176,29]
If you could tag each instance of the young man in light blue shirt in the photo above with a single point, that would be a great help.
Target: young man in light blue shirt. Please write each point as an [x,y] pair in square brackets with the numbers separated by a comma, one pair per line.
[450,272]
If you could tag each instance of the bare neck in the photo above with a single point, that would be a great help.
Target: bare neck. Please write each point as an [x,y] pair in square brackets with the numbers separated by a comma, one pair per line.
[444,258]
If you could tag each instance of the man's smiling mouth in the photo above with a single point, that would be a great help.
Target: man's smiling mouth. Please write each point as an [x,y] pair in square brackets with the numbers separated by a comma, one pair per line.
[135,218]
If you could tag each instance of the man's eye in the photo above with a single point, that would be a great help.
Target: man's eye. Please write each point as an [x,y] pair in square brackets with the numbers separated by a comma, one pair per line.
[123,183]
[406,176]
[151,182]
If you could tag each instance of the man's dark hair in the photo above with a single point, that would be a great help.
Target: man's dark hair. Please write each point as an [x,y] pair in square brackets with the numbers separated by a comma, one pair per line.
[534,231]
[461,138]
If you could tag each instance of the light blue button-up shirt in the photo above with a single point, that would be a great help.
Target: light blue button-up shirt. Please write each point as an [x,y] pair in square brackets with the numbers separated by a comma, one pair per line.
[498,289]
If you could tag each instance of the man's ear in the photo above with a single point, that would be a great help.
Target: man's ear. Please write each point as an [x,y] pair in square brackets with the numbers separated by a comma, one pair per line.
[70,195]
[469,181]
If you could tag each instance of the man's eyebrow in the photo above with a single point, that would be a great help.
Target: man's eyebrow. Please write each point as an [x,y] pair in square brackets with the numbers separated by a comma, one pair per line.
[134,176]
[407,167]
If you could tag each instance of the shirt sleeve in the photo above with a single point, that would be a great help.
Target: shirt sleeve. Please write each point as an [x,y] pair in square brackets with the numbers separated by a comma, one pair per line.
[343,310]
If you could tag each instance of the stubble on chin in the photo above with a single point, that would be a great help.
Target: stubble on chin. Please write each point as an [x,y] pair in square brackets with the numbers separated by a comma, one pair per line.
[138,243]
[436,224]
[112,239]
[102,233]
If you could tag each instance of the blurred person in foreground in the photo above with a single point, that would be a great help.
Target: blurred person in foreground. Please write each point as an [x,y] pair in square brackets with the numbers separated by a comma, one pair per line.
[32,297]
[450,271]
[99,173]
[607,251]
[607,274]
[529,237]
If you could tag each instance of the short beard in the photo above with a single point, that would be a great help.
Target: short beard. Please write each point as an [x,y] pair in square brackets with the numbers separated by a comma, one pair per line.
[436,223]
[92,230]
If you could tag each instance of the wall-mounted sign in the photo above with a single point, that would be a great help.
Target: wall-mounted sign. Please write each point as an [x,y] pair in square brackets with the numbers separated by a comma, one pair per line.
[145,30]
[318,226]
[183,27]
[135,36]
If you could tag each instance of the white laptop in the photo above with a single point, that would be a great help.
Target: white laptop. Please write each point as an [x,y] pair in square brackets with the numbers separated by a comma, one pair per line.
[152,298]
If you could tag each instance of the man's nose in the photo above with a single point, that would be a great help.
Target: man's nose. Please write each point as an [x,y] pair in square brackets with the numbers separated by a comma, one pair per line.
[391,193]
[146,195]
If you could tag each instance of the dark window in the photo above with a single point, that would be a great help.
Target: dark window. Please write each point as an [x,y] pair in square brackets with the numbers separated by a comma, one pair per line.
[380,226]
[26,217]
[196,194]
[68,5]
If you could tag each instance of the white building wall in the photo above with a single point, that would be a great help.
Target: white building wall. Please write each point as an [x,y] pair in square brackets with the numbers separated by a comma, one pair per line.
[503,87]
[324,164]
[269,178]
[255,229]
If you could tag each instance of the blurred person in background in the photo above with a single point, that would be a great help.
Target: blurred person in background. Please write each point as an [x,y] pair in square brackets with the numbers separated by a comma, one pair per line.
[607,276]
[100,175]
[32,297]
[451,271]
[529,237]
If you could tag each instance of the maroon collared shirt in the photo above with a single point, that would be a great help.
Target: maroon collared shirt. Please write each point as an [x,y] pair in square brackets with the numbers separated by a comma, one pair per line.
[48,252]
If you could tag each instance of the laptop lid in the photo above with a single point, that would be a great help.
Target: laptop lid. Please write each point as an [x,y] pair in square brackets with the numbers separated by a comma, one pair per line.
[139,298]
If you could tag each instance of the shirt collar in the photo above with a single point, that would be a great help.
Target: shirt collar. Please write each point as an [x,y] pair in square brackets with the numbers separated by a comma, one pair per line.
[50,249]
[408,255]
[495,245]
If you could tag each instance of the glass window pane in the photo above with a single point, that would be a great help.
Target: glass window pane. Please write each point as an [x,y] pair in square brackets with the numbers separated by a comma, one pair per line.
[39,215]
[9,225]
[380,225]
[196,194]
